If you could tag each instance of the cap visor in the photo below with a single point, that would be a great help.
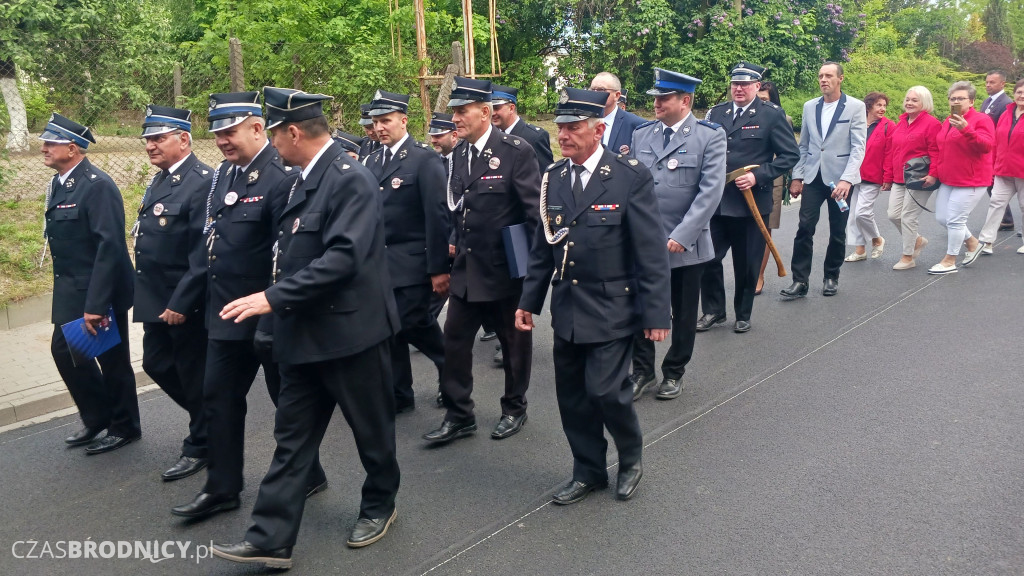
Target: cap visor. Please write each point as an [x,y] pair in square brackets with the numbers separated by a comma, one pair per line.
[662,92]
[223,123]
[460,102]
[50,136]
[365,122]
[436,131]
[157,130]
[273,124]
[569,119]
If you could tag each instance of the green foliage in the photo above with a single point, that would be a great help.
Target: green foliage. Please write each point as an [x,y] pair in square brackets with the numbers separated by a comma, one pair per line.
[997,27]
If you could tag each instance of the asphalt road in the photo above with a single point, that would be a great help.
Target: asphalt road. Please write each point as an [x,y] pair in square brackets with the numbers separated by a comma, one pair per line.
[875,432]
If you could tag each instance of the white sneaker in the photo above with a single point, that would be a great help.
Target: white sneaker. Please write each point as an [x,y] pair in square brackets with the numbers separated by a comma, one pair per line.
[970,257]
[1020,250]
[987,249]
[854,257]
[940,269]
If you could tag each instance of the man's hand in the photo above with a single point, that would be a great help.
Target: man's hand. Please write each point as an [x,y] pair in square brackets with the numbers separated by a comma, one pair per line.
[655,334]
[957,121]
[172,318]
[746,181]
[524,321]
[675,247]
[440,284]
[841,191]
[451,250]
[252,305]
[92,321]
[796,187]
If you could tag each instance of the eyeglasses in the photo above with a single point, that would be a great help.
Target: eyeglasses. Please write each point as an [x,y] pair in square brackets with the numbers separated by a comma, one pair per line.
[959,99]
[596,89]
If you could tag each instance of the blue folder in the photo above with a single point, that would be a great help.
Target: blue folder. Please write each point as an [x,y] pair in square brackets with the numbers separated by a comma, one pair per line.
[517,249]
[84,346]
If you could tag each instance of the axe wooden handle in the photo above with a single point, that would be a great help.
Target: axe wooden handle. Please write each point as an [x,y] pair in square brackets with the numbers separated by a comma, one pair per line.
[749,197]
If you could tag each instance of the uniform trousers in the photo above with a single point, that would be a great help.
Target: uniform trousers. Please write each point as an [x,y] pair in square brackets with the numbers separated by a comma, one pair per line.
[419,328]
[361,385]
[593,394]
[685,295]
[231,367]
[814,194]
[1004,188]
[742,235]
[104,388]
[175,358]
[460,328]
[905,207]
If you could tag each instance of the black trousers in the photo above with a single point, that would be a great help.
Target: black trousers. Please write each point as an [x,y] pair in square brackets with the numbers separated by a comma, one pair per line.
[231,367]
[361,385]
[419,328]
[815,192]
[460,328]
[593,394]
[742,235]
[103,389]
[685,296]
[175,358]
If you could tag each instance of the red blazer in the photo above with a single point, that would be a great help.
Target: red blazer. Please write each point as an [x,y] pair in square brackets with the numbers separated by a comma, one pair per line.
[876,167]
[1009,155]
[965,157]
[912,141]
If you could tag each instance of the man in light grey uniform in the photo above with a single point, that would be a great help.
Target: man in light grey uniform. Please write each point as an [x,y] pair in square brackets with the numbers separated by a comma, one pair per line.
[687,158]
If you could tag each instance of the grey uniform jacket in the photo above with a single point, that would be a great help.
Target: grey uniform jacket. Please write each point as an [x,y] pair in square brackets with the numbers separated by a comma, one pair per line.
[689,175]
[839,154]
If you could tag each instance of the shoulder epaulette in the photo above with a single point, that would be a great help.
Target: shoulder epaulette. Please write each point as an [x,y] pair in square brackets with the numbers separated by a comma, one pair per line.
[633,163]
[646,124]
[556,164]
[709,124]
[511,140]
[202,169]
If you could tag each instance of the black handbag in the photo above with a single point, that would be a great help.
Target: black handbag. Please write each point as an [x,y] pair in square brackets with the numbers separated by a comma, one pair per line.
[915,171]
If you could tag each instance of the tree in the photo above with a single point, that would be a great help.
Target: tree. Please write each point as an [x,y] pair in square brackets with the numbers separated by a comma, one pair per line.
[997,26]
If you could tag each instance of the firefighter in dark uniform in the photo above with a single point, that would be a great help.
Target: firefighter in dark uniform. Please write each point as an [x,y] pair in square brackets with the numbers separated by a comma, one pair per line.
[350,143]
[170,278]
[758,133]
[246,198]
[412,180]
[444,138]
[494,183]
[506,117]
[369,142]
[334,316]
[601,247]
[92,274]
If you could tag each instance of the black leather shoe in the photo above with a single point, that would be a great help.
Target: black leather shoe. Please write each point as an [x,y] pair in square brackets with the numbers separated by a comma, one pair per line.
[488,336]
[830,287]
[795,290]
[629,479]
[670,388]
[369,530]
[507,426]
[575,491]
[403,407]
[185,467]
[246,553]
[109,443]
[705,322]
[499,358]
[83,436]
[206,505]
[640,381]
[314,490]
[741,326]
[450,431]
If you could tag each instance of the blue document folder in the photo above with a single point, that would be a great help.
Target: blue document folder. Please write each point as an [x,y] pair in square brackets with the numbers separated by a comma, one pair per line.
[517,248]
[84,346]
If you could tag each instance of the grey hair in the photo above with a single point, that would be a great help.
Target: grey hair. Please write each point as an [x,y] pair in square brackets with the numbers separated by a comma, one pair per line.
[927,102]
[611,78]
[963,85]
[593,122]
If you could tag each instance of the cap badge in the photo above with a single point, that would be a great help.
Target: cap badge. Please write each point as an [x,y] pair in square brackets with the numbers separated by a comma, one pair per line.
[494,163]
[213,103]
[230,198]
[253,176]
[563,97]
[377,95]
[396,182]
[673,164]
[158,209]
[149,111]
[657,74]
[295,226]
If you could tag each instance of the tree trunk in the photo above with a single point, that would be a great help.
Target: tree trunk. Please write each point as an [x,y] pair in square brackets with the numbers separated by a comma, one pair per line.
[17,138]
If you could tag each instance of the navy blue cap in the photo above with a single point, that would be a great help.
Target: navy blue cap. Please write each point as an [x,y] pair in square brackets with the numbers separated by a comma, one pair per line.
[364,115]
[229,109]
[668,82]
[746,72]
[441,123]
[468,90]
[623,95]
[348,141]
[164,119]
[61,130]
[504,94]
[575,104]
[289,105]
[388,102]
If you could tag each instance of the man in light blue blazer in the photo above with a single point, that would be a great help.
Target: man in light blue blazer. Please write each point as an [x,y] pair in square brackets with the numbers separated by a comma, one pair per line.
[687,158]
[831,151]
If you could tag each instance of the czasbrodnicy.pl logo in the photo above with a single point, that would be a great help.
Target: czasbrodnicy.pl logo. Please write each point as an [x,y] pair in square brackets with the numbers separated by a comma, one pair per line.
[151,550]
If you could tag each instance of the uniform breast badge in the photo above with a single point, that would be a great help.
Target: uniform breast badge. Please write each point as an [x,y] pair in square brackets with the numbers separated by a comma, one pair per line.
[230,198]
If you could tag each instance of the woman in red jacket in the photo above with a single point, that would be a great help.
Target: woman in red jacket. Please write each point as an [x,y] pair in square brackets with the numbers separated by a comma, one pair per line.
[912,137]
[964,168]
[873,178]
[1008,168]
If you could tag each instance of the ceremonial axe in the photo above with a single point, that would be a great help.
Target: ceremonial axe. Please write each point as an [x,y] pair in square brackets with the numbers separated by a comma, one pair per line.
[749,197]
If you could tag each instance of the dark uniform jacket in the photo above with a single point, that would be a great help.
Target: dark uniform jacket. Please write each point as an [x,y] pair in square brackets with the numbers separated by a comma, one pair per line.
[762,136]
[333,294]
[616,276]
[366,147]
[240,261]
[170,256]
[493,198]
[538,138]
[85,227]
[416,216]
